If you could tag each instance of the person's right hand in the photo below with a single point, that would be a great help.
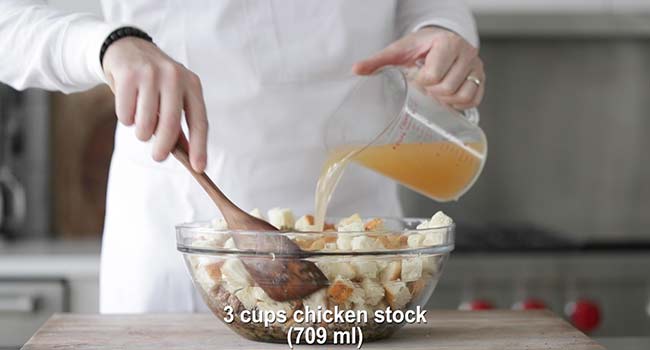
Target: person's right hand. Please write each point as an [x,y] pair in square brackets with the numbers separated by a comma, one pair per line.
[151,90]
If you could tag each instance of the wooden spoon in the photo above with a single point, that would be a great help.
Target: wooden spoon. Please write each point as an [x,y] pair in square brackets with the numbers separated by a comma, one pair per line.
[280,277]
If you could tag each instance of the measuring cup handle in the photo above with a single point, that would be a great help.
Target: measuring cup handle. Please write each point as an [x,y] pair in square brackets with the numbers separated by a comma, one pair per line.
[472,114]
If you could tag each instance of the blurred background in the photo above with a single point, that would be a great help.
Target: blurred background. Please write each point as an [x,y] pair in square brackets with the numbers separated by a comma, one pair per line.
[559,218]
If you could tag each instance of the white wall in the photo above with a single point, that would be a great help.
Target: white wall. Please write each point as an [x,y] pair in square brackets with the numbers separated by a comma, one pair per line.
[93,6]
[488,6]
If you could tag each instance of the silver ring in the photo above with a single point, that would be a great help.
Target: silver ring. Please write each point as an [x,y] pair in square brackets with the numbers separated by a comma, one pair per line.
[474,80]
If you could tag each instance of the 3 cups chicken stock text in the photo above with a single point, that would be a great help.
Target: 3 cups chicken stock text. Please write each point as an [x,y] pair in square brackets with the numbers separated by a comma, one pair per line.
[336,315]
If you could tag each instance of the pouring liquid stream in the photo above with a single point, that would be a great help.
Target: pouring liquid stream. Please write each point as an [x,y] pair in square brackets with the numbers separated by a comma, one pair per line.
[442,170]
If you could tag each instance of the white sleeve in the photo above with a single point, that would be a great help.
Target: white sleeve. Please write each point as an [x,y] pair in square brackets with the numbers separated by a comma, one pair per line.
[45,48]
[450,14]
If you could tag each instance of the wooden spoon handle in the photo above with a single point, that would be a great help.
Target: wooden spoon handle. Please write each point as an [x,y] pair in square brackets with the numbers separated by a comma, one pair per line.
[224,204]
[282,279]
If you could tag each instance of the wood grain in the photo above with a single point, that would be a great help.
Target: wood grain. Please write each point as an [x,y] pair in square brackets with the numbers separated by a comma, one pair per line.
[83,128]
[445,330]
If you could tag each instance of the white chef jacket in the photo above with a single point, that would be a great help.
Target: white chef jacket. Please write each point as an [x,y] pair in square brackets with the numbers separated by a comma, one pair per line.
[272,72]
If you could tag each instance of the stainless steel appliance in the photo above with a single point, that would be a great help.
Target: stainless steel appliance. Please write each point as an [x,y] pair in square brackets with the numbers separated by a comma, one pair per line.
[560,215]
[12,192]
[603,291]
[567,124]
[41,277]
[24,176]
[27,304]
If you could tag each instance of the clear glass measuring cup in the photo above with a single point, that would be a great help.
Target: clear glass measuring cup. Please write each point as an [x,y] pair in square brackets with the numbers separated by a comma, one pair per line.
[386,123]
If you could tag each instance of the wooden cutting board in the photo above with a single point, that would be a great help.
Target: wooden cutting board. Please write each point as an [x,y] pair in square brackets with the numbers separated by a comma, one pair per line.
[457,330]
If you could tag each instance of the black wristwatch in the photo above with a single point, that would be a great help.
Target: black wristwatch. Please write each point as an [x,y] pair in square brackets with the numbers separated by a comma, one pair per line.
[119,33]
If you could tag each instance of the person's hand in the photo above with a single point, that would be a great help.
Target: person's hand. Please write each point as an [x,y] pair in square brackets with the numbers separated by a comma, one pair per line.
[451,72]
[151,90]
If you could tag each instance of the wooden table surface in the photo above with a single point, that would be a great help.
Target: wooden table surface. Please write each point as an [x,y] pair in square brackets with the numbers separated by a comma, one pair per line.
[457,330]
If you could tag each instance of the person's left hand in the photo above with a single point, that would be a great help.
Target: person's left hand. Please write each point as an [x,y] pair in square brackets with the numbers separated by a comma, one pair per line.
[452,72]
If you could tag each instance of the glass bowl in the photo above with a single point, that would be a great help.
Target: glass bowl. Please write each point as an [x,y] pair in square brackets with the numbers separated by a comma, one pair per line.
[396,267]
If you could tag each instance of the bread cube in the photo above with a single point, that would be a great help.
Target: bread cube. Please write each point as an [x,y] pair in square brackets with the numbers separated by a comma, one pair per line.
[343,292]
[256,213]
[305,243]
[434,238]
[373,290]
[365,243]
[397,294]
[411,269]
[417,287]
[230,244]
[210,242]
[235,275]
[247,297]
[350,219]
[276,306]
[219,224]
[316,299]
[365,268]
[260,294]
[264,302]
[281,218]
[389,241]
[306,223]
[344,242]
[208,274]
[391,272]
[352,223]
[334,270]
[430,264]
[374,225]
[340,291]
[330,247]
[351,227]
[438,219]
[415,240]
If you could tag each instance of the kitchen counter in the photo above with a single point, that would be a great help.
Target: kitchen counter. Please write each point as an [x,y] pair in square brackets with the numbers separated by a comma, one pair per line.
[49,258]
[502,330]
